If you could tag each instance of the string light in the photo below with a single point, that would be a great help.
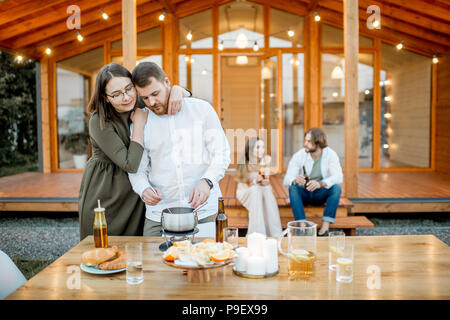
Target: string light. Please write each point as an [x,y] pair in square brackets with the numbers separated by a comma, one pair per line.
[387,82]
[48,51]
[221,45]
[255,46]
[79,36]
[386,146]
[387,99]
[186,58]
[162,16]
[387,115]
[290,33]
[400,45]
[204,72]
[192,60]
[367,91]
[435,59]
[376,23]
[189,35]
[104,15]
[316,17]
[19,58]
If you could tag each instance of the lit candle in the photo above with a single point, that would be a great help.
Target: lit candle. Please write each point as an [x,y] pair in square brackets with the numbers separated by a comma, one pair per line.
[271,255]
[256,266]
[240,261]
[255,243]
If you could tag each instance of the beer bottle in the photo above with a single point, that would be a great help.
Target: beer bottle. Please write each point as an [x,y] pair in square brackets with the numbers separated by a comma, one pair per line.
[221,221]
[306,177]
[100,228]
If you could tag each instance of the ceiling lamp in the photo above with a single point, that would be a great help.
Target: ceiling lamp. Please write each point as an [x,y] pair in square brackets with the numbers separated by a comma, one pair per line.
[241,60]
[241,41]
[337,73]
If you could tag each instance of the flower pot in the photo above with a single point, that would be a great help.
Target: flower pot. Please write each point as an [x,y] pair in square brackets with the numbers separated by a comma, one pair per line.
[80,160]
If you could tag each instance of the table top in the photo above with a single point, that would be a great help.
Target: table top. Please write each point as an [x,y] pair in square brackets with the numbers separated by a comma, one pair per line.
[410,267]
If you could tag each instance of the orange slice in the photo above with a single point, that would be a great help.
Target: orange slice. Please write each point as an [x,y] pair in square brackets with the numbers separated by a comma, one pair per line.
[209,240]
[220,256]
[171,254]
[181,243]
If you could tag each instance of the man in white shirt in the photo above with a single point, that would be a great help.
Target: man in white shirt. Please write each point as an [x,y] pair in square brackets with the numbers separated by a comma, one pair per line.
[185,155]
[313,177]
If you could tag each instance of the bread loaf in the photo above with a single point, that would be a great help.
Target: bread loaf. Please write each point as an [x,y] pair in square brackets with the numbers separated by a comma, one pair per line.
[97,256]
[118,263]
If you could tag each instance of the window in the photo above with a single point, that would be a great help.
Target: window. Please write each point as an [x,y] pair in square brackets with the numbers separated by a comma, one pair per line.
[405,108]
[334,37]
[148,39]
[75,78]
[199,25]
[333,95]
[195,74]
[241,25]
[286,29]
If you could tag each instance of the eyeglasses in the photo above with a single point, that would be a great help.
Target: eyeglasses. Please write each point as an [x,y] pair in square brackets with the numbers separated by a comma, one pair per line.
[129,90]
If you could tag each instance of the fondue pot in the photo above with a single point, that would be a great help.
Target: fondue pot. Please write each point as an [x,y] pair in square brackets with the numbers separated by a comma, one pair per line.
[179,219]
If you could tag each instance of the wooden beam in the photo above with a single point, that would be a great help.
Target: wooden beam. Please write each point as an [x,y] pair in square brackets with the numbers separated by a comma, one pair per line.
[376,127]
[129,33]
[313,98]
[313,5]
[433,9]
[58,14]
[351,41]
[397,25]
[216,60]
[45,116]
[170,28]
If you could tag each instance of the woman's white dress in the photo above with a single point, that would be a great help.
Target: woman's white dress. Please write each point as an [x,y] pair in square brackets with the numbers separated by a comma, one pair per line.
[263,213]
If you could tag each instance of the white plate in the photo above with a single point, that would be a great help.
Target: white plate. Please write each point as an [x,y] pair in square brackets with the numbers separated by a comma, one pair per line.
[95,270]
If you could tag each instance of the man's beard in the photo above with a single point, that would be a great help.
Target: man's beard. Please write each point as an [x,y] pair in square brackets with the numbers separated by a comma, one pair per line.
[311,150]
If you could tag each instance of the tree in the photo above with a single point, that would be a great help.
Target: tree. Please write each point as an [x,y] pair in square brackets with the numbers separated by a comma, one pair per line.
[18,119]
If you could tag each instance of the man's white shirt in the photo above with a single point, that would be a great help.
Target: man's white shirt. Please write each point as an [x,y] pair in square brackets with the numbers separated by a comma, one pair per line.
[179,151]
[330,167]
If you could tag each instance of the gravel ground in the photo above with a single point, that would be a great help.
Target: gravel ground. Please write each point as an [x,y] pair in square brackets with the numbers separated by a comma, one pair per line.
[48,236]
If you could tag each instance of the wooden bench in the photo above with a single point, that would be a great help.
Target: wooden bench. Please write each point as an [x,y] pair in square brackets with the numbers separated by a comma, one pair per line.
[347,224]
[238,215]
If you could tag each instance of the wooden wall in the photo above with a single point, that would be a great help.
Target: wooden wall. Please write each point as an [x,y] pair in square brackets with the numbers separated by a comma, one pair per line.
[443,116]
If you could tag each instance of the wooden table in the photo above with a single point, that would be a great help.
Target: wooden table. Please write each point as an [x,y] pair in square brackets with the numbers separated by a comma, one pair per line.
[411,267]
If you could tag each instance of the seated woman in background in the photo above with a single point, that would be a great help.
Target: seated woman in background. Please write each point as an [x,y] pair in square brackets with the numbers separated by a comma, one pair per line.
[254,191]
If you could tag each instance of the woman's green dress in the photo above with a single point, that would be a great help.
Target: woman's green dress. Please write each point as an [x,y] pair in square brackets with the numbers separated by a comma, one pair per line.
[105,178]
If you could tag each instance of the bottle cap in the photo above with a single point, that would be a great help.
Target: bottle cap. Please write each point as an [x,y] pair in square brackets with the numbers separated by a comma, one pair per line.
[99,207]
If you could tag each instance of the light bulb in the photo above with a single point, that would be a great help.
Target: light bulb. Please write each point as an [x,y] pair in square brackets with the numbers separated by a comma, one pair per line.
[387,82]
[79,37]
[192,60]
[162,16]
[387,99]
[316,17]
[387,115]
[48,51]
[204,72]
[290,33]
[189,35]
[376,23]
[335,94]
[255,47]
[367,91]
[221,45]
[435,59]
[19,58]
[386,146]
[400,46]
[105,15]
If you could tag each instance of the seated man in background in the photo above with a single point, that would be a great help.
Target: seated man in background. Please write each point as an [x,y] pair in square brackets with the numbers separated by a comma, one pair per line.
[313,177]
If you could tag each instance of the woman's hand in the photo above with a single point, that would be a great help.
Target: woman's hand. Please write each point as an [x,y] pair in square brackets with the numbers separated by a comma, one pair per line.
[264,182]
[139,117]
[175,100]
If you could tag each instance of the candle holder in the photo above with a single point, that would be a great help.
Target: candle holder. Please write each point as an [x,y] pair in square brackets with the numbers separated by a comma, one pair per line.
[252,276]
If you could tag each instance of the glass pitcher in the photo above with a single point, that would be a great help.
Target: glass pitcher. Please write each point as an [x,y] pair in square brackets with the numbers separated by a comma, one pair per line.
[301,247]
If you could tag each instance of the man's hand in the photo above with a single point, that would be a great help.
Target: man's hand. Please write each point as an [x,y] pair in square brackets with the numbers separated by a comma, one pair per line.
[299,180]
[150,197]
[200,194]
[312,185]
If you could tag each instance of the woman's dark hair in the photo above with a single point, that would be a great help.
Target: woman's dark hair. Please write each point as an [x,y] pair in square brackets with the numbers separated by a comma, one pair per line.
[246,158]
[99,101]
[318,136]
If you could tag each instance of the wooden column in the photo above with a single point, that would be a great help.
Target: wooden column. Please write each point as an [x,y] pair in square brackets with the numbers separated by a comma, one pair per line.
[170,36]
[129,37]
[351,97]
[45,117]
[313,101]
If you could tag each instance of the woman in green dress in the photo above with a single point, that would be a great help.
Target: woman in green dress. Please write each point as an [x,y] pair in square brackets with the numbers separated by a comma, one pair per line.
[114,154]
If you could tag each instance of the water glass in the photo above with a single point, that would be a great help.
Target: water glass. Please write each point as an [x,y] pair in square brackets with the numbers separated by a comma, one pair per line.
[135,272]
[231,235]
[336,244]
[344,272]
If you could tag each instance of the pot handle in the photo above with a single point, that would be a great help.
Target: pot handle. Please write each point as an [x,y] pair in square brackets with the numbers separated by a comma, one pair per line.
[280,238]
[196,218]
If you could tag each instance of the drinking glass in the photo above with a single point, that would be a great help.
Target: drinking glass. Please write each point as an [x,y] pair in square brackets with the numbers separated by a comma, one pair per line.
[336,244]
[231,235]
[135,272]
[344,271]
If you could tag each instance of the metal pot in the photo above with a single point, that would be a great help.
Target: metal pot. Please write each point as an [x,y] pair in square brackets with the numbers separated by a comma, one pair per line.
[179,219]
